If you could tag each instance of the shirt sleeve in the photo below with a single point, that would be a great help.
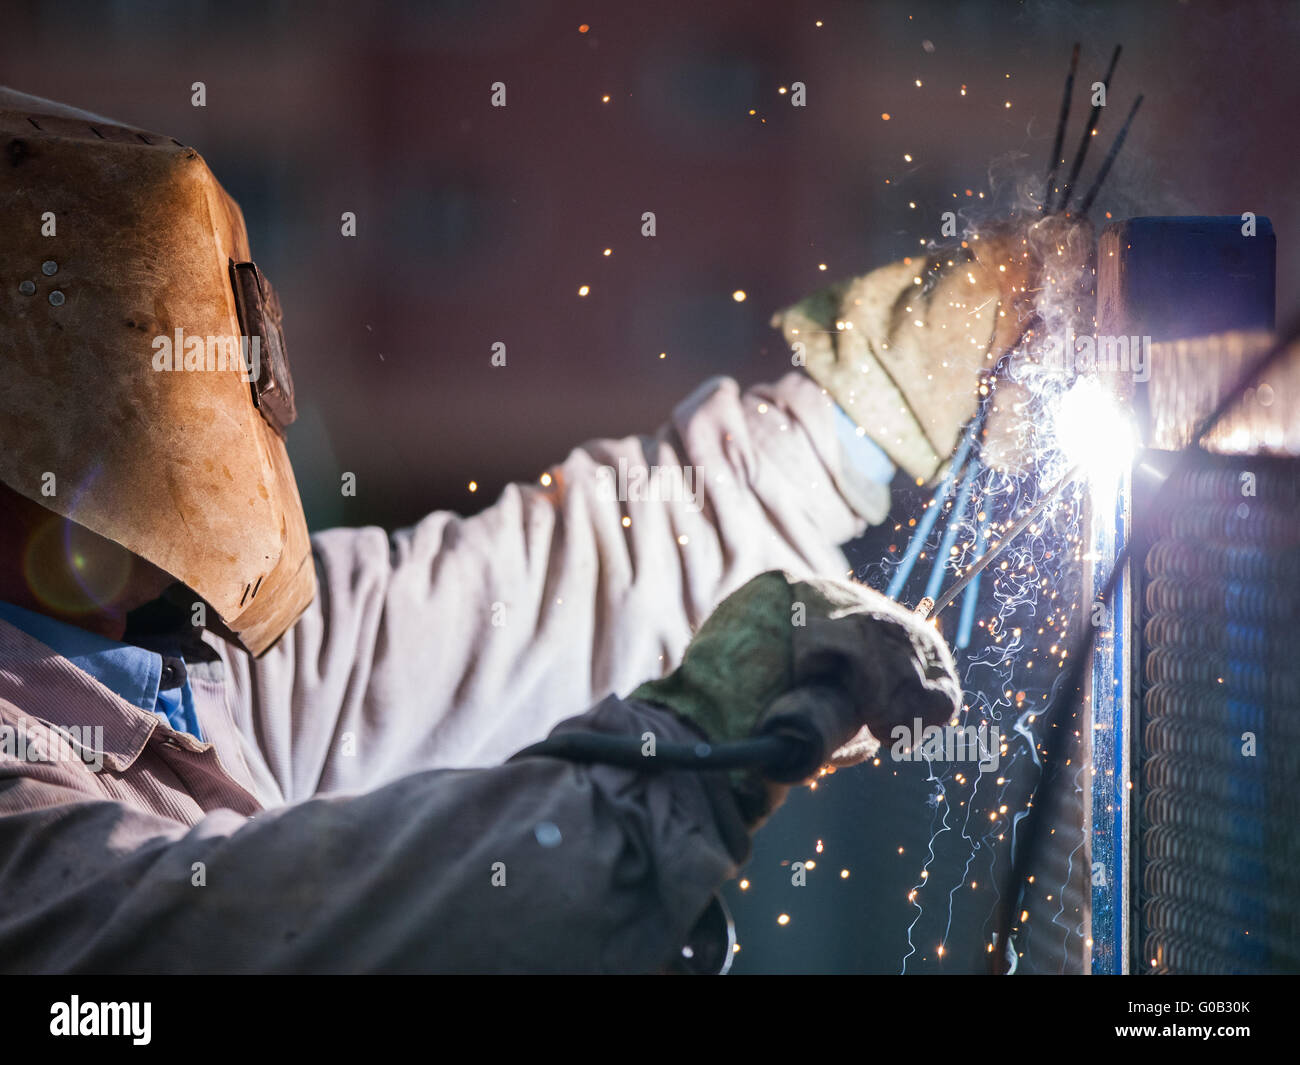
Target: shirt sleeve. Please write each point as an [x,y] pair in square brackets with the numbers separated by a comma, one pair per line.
[865,467]
[460,640]
[537,866]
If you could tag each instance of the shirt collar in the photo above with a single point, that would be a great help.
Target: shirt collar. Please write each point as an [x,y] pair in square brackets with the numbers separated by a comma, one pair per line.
[130,672]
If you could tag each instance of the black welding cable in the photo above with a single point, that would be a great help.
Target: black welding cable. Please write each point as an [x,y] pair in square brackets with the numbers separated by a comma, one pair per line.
[1055,757]
[788,747]
[629,752]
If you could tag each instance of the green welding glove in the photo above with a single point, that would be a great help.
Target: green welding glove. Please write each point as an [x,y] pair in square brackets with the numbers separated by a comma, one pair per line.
[830,661]
[907,349]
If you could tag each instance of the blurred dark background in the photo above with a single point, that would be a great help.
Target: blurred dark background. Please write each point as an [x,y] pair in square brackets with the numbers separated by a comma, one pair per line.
[477,225]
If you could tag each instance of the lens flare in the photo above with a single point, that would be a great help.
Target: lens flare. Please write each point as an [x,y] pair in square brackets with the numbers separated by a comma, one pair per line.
[71,570]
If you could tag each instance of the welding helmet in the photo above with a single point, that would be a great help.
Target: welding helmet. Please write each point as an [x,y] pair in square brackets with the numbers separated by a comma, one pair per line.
[145,391]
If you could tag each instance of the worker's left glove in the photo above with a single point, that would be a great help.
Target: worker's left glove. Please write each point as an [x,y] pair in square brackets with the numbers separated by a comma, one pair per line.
[831,663]
[906,349]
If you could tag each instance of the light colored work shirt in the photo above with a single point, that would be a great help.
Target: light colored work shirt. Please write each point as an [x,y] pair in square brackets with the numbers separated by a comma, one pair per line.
[351,806]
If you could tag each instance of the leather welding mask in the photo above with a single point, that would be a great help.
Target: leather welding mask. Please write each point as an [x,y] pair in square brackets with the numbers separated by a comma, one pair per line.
[145,390]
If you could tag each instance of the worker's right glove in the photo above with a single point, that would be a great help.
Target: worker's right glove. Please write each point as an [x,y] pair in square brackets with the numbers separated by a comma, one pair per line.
[832,664]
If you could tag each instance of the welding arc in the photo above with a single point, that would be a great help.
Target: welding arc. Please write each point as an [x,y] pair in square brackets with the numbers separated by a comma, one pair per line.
[991,555]
[1088,132]
[1110,160]
[1057,754]
[1048,190]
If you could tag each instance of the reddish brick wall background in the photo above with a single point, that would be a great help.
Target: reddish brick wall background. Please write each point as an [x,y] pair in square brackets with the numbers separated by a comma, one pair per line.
[478,225]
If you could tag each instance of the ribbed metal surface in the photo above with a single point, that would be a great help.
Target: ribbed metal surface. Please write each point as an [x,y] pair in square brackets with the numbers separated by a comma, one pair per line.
[1220,832]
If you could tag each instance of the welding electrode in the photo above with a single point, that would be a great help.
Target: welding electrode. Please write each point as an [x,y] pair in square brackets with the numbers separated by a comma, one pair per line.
[928,608]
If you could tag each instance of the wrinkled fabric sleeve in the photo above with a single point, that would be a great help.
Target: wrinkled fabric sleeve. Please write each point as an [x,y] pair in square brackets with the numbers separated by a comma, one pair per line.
[537,865]
[460,640]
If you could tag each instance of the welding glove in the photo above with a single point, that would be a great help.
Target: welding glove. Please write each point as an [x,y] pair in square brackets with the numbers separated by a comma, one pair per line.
[830,661]
[907,349]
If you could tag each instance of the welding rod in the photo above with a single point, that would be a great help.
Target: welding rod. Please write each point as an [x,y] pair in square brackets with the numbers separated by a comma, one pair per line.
[982,562]
[931,515]
[1049,191]
[1086,204]
[1088,132]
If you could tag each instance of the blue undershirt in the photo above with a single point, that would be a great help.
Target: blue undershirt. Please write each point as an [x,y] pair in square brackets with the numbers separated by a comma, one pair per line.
[124,669]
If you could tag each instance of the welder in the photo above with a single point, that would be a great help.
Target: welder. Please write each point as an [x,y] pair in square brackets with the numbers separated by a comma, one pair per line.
[311,745]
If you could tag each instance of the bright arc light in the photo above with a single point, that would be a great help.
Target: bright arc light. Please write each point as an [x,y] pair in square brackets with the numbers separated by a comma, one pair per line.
[1094,431]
